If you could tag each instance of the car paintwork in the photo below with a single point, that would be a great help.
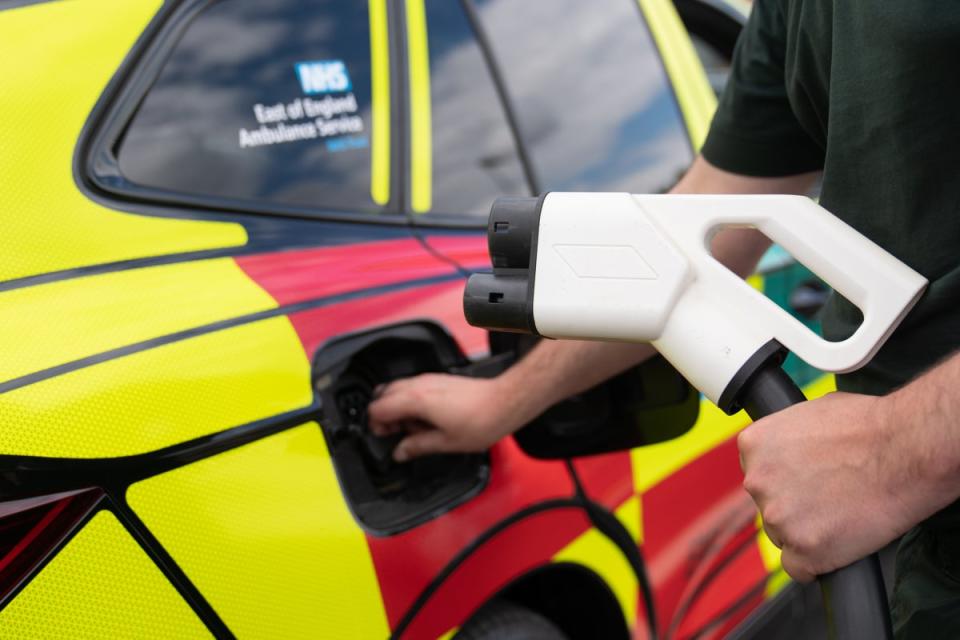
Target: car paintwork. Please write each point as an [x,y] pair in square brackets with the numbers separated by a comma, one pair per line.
[165,355]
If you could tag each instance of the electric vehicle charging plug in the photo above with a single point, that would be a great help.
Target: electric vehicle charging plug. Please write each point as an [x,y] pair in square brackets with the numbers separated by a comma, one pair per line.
[637,268]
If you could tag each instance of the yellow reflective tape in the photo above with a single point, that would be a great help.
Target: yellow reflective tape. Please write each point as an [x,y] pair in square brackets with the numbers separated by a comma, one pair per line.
[264,533]
[59,322]
[160,397]
[380,102]
[694,94]
[421,143]
[101,585]
[653,463]
[596,551]
[58,56]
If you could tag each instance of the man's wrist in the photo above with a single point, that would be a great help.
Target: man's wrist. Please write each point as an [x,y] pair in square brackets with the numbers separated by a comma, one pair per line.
[520,396]
[922,445]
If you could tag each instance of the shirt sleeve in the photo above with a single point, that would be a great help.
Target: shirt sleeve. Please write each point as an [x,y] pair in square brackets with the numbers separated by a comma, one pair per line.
[754,131]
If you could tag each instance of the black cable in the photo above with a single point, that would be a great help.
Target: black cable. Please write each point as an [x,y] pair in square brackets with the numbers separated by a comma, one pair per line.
[607,524]
[463,554]
[758,588]
[684,607]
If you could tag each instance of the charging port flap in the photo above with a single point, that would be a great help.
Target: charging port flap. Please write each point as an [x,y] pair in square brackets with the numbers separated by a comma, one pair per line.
[385,496]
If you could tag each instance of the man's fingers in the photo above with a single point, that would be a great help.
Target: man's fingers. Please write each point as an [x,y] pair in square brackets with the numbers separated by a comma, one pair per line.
[421,444]
[795,567]
[393,407]
[383,429]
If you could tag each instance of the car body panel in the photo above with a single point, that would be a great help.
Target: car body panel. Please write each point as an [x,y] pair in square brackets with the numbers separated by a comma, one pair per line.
[166,353]
[96,587]
[65,53]
[279,554]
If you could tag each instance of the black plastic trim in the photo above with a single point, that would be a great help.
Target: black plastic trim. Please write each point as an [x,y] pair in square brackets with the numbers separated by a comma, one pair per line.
[169,567]
[772,351]
[94,166]
[532,269]
[333,360]
[30,475]
[16,4]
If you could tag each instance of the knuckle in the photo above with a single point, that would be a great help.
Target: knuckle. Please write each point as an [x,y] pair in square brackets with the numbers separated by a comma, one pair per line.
[806,542]
[772,515]
[753,483]
[746,440]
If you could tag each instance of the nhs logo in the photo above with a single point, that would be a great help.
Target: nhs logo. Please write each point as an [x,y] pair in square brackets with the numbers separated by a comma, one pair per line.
[323,76]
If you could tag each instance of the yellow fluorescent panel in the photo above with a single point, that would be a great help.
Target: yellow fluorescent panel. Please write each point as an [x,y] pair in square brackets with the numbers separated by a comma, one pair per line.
[595,550]
[653,463]
[380,89]
[101,585]
[694,94]
[265,535]
[156,398]
[421,143]
[50,324]
[58,57]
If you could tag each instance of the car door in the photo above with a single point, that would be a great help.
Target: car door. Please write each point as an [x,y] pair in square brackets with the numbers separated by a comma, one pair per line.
[606,97]
[228,207]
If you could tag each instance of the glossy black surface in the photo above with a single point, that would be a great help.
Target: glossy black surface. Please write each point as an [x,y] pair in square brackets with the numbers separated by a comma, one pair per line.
[597,112]
[474,155]
[196,132]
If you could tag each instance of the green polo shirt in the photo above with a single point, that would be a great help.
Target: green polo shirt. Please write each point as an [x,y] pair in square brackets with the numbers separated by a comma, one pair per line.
[870,94]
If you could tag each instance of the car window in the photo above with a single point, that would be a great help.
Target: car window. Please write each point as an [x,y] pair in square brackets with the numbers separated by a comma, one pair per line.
[268,102]
[474,154]
[593,101]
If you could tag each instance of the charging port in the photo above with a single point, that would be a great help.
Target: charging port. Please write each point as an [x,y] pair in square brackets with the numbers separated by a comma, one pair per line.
[386,496]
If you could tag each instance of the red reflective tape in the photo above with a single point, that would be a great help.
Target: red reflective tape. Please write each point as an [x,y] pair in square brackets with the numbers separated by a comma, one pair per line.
[686,517]
[296,276]
[607,478]
[407,562]
[470,251]
[439,303]
[526,545]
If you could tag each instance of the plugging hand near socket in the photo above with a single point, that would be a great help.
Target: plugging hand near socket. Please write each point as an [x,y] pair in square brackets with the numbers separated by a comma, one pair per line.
[833,466]
[471,414]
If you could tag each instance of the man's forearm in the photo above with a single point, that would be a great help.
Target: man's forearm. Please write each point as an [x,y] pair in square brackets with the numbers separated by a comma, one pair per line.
[923,421]
[558,369]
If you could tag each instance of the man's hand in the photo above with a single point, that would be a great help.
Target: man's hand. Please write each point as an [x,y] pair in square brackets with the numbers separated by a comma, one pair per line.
[443,413]
[834,481]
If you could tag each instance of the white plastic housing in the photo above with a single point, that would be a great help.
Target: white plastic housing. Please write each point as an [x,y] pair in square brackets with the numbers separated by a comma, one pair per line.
[637,268]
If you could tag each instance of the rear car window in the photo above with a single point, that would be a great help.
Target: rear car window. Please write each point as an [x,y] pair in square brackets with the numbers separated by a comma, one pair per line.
[264,102]
[593,101]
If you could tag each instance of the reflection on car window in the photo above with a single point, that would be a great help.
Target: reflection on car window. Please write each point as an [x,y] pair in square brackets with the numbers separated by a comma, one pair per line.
[593,100]
[474,155]
[261,101]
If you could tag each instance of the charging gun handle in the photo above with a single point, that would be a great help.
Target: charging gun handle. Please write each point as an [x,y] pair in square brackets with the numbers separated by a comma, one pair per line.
[854,597]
